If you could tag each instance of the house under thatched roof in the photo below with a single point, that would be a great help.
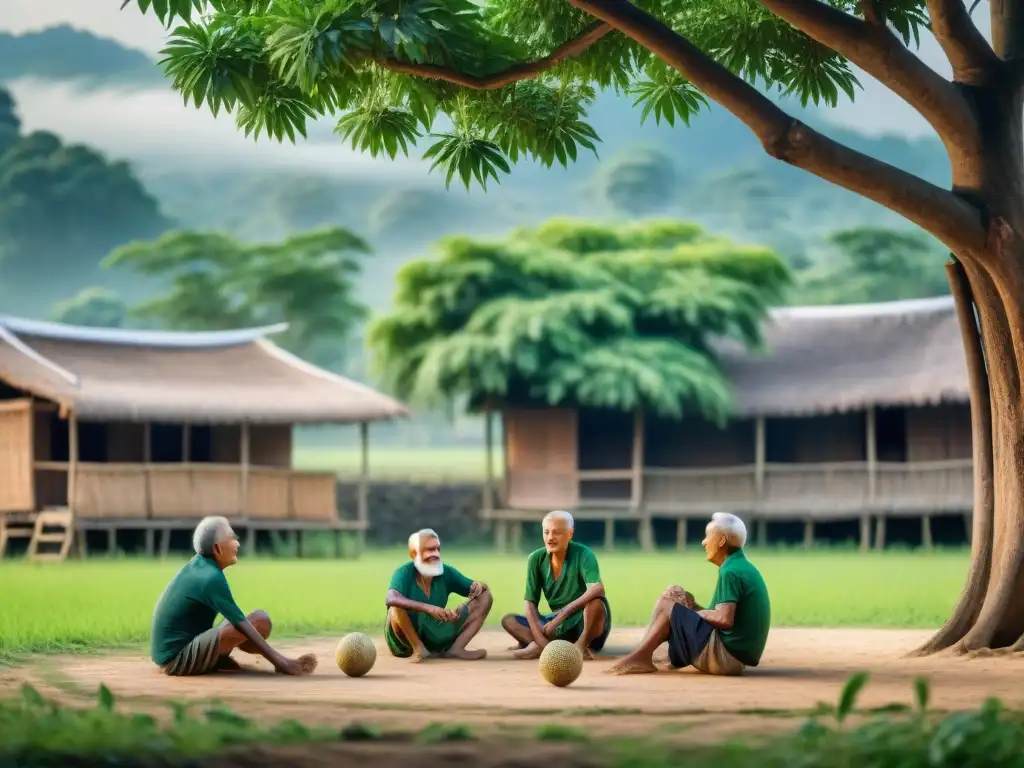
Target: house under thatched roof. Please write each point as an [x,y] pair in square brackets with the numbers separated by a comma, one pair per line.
[850,357]
[205,377]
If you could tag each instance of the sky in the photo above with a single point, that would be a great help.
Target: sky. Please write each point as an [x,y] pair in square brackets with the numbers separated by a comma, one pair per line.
[157,120]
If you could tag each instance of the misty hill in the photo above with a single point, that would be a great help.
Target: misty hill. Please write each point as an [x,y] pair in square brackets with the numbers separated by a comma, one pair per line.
[713,172]
[66,53]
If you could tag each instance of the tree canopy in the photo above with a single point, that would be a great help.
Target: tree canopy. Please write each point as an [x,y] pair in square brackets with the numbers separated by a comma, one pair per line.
[576,313]
[217,282]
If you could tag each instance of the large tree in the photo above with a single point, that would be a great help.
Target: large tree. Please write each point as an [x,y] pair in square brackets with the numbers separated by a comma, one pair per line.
[514,79]
[576,314]
[216,282]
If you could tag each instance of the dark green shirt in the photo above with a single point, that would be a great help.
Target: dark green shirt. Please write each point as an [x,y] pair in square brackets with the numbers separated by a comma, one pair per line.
[433,634]
[741,583]
[579,569]
[188,606]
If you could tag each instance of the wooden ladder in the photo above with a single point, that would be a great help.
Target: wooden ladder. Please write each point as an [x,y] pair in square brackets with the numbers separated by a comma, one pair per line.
[15,527]
[52,518]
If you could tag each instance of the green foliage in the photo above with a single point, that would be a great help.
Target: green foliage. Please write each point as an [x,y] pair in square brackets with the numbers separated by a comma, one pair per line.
[388,70]
[576,313]
[93,306]
[870,264]
[218,283]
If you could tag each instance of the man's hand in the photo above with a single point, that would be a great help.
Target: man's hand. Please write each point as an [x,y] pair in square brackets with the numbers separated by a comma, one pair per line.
[304,665]
[677,594]
[476,589]
[551,627]
[446,615]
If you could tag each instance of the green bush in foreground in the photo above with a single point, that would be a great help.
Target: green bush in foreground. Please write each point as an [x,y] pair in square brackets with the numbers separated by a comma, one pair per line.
[35,732]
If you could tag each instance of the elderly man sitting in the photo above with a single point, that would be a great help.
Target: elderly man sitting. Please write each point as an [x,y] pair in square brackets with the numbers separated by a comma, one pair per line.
[185,640]
[419,622]
[719,640]
[568,576]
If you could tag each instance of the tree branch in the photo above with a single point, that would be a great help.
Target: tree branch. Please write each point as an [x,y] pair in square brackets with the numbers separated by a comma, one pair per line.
[1007,29]
[936,210]
[875,49]
[973,60]
[522,71]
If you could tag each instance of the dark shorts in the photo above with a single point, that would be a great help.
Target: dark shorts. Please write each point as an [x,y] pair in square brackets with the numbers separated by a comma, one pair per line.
[576,632]
[688,635]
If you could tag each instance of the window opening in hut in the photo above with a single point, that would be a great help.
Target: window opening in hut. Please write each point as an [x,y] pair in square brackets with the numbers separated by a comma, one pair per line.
[200,444]
[605,441]
[166,443]
[832,438]
[891,434]
[92,442]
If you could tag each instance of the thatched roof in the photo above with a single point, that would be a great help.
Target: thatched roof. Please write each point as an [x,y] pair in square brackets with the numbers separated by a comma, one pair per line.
[209,377]
[849,357]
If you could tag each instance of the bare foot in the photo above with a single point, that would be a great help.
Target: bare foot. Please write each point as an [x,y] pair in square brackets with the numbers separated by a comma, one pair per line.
[227,664]
[588,655]
[420,655]
[627,667]
[467,655]
[532,651]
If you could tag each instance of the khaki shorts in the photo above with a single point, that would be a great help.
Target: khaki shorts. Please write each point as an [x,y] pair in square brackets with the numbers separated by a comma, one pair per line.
[716,660]
[198,657]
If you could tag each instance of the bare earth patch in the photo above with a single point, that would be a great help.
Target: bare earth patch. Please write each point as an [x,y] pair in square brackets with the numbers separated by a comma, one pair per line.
[801,669]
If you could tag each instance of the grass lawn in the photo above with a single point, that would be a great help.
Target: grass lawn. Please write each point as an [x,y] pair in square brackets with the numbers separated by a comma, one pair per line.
[427,464]
[83,605]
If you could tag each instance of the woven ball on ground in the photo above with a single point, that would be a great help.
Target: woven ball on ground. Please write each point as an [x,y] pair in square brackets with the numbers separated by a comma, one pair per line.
[561,663]
[356,654]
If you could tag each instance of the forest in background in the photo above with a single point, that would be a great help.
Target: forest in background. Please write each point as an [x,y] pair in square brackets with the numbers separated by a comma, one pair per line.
[65,207]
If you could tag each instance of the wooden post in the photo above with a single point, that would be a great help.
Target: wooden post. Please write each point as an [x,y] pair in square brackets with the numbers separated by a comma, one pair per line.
[500,536]
[150,543]
[760,443]
[872,457]
[243,472]
[488,496]
[808,533]
[681,534]
[637,485]
[111,541]
[880,533]
[517,536]
[926,531]
[186,443]
[363,507]
[762,532]
[609,534]
[72,468]
[147,469]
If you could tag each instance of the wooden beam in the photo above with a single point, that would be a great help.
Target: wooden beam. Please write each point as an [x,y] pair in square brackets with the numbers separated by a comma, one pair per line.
[926,531]
[760,447]
[871,442]
[243,471]
[72,463]
[808,533]
[865,533]
[762,532]
[186,443]
[880,532]
[363,502]
[681,534]
[609,535]
[147,466]
[637,485]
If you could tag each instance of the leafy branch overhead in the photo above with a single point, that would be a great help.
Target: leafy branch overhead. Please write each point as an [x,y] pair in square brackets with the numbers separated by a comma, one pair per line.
[509,79]
[576,313]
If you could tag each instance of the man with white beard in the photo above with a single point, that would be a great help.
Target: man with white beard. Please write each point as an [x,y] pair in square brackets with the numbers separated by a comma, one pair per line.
[419,622]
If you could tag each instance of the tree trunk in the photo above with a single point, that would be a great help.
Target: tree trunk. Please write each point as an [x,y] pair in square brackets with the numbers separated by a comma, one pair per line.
[989,617]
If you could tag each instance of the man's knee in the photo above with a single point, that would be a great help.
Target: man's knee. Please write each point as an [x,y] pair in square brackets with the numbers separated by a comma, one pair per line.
[510,623]
[396,615]
[595,610]
[261,622]
[481,606]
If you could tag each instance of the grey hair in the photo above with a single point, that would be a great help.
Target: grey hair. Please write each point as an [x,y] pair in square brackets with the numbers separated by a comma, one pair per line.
[734,529]
[416,539]
[561,514]
[210,531]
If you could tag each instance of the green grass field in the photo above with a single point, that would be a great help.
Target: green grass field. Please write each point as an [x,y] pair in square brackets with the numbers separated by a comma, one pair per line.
[105,603]
[427,464]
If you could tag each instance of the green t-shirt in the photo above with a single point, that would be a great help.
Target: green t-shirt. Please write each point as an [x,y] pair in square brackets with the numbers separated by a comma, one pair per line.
[188,606]
[741,583]
[433,634]
[579,569]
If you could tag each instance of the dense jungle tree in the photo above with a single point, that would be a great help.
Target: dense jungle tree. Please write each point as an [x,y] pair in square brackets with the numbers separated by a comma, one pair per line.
[576,314]
[93,306]
[216,282]
[514,79]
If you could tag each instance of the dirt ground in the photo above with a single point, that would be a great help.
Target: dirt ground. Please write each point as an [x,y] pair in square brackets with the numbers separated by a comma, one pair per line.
[802,669]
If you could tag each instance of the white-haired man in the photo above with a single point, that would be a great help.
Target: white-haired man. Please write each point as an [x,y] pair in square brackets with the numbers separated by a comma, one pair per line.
[185,640]
[419,623]
[725,637]
[567,574]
